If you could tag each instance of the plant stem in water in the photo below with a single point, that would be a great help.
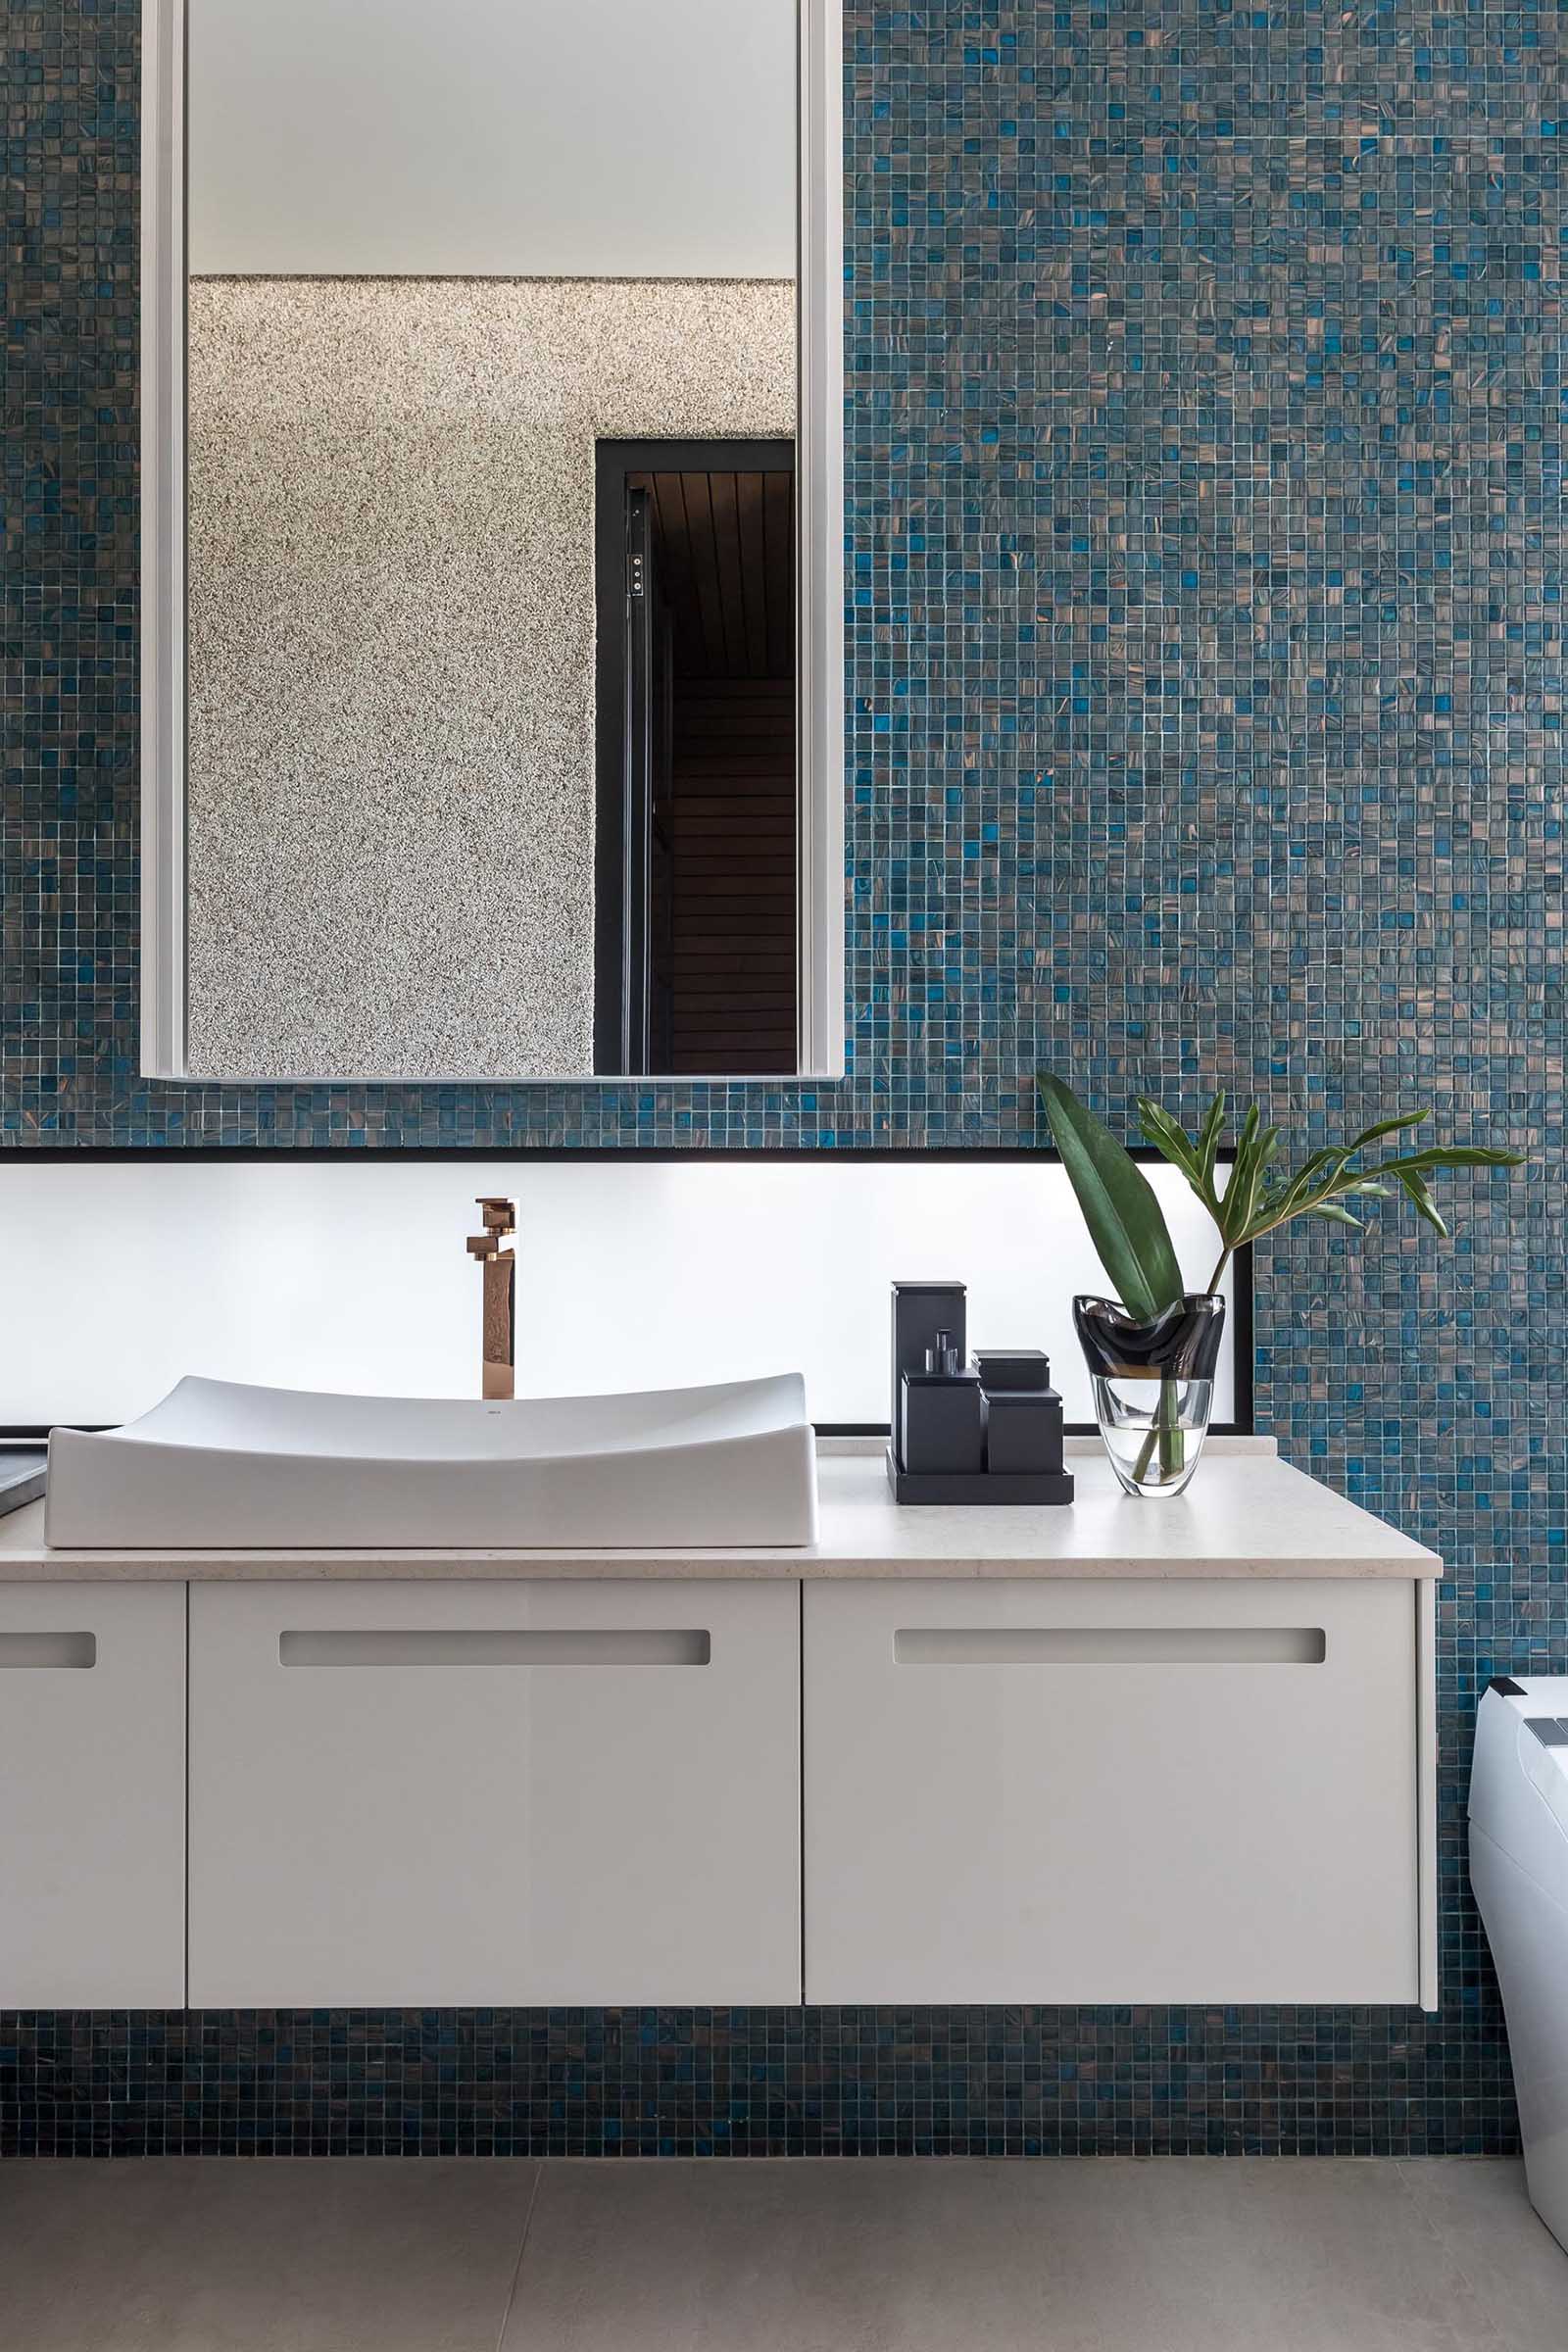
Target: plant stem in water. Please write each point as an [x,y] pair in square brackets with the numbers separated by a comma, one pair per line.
[1165,1435]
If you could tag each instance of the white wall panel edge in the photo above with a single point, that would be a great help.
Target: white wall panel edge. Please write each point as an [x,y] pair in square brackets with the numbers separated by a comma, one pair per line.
[1426,1701]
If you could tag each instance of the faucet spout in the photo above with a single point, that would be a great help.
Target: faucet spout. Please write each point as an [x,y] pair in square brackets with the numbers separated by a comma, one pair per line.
[499,1323]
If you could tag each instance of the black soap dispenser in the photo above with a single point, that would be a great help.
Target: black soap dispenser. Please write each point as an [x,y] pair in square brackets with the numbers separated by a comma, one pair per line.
[942,1427]
[921,1312]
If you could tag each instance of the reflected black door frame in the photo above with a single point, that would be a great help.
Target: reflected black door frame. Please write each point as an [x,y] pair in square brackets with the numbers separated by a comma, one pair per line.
[642,1043]
[625,669]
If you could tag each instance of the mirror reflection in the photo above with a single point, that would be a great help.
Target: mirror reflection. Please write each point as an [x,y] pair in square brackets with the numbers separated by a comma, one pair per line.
[492,766]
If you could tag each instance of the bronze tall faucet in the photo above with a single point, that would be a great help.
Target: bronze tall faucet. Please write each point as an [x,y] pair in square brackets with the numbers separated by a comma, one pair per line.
[500,1313]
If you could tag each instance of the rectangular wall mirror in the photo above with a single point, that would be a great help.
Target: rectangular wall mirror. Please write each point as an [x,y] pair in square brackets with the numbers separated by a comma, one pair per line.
[492,540]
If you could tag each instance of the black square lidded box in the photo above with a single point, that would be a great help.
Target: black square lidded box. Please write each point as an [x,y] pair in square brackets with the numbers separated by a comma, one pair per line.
[1023,1431]
[1018,1370]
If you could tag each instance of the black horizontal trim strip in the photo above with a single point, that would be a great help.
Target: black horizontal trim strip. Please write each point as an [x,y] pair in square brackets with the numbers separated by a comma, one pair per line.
[1069,1429]
[355,1155]
[24,1433]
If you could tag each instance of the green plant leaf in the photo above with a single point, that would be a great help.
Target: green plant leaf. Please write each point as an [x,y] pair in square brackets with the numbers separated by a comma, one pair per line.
[1244,1207]
[1316,1179]
[1335,1156]
[1317,1200]
[1125,1221]
[1208,1136]
[1259,1198]
[1344,1183]
[1236,1199]
[1422,1203]
[1167,1135]
[1400,1118]
[1451,1155]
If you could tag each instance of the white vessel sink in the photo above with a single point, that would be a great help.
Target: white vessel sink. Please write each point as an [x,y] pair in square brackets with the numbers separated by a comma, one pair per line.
[226,1467]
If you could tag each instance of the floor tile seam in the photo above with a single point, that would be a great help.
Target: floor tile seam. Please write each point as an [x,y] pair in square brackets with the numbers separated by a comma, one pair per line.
[522,2248]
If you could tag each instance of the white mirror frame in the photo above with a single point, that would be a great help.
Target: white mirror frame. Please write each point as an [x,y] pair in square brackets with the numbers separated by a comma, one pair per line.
[819,566]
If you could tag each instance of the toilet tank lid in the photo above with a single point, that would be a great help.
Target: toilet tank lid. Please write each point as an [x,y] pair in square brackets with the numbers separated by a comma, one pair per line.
[1532,1693]
[1521,1753]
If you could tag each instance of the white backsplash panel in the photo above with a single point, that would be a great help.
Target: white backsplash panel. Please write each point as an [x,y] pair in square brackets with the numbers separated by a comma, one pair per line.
[120,1276]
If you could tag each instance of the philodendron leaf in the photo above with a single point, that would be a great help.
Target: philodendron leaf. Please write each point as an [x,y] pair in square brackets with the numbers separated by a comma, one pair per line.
[1125,1221]
[1421,1201]
[1255,1149]
[1390,1126]
[1168,1137]
[1452,1155]
[1208,1136]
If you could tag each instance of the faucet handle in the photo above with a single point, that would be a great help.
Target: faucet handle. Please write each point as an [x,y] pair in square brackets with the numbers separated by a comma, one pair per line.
[500,1218]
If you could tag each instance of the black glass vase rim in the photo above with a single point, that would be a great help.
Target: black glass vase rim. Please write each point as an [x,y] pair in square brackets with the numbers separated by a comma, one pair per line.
[1181,1343]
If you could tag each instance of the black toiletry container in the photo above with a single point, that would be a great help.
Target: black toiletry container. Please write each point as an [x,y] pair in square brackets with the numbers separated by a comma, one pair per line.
[1023,1431]
[1013,1368]
[942,1423]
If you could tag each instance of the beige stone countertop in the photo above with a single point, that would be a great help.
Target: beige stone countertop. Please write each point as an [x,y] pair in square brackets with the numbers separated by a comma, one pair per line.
[1247,1514]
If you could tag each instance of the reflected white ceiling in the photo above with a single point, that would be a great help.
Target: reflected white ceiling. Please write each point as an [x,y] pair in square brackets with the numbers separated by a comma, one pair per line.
[603,138]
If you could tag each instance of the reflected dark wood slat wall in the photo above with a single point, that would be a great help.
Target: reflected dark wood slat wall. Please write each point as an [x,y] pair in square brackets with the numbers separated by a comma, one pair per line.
[725,551]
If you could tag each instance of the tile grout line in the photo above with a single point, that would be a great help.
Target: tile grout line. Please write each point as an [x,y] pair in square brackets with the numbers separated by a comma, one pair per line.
[522,2248]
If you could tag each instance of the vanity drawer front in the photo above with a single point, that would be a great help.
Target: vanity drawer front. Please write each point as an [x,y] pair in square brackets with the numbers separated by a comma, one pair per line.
[92,1796]
[1088,1792]
[472,1793]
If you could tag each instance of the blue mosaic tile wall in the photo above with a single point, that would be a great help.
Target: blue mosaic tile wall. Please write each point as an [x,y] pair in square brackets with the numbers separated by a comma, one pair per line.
[1204,475]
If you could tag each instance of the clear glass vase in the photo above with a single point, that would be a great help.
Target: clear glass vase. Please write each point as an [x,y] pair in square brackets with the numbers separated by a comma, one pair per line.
[1153,1385]
[1153,1430]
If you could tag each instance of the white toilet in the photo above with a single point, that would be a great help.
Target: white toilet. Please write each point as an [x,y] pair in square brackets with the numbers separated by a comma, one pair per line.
[1519,1870]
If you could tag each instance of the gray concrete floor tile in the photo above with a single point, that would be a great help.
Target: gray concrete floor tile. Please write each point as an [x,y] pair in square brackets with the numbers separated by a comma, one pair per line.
[966,2256]
[226,2255]
[1107,2256]
[1482,2214]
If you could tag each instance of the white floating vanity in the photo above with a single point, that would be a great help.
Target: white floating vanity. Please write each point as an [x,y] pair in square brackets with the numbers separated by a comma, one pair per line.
[1126,1751]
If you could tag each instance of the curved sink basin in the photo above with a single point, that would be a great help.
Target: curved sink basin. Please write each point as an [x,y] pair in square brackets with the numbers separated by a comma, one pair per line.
[236,1468]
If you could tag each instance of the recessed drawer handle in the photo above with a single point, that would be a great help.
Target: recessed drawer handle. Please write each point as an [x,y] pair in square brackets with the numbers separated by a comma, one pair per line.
[48,1650]
[502,1645]
[1112,1646]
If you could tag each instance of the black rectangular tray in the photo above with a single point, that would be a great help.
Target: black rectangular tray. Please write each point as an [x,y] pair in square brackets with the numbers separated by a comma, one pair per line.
[21,1477]
[979,1485]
